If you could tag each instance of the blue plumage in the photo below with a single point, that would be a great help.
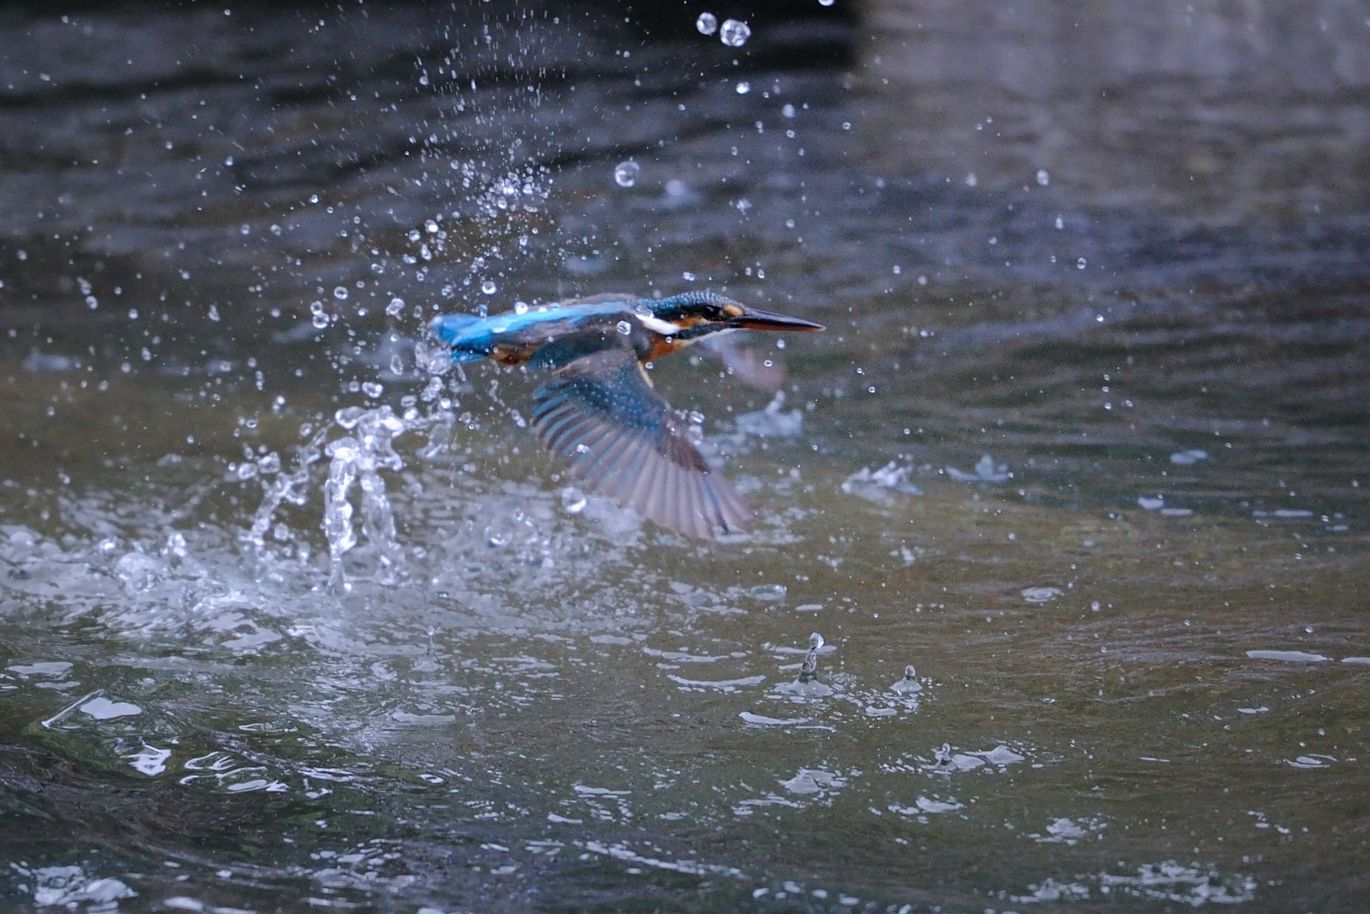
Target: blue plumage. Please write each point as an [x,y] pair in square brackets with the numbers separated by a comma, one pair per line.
[453,330]
[473,337]
[598,411]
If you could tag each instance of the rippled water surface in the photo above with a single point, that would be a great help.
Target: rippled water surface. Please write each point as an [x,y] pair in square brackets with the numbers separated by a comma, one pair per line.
[1085,445]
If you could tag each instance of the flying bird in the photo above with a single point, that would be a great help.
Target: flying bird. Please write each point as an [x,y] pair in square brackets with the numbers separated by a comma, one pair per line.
[599,413]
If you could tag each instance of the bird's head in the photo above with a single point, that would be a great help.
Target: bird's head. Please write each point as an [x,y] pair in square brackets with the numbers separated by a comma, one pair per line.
[692,315]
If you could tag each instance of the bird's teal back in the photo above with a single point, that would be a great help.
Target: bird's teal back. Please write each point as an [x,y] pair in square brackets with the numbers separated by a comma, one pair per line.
[473,337]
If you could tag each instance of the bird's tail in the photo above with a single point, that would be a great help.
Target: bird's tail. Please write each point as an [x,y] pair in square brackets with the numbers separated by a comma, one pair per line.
[450,329]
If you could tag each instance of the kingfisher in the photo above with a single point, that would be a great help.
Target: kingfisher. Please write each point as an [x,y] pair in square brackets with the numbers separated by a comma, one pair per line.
[598,411]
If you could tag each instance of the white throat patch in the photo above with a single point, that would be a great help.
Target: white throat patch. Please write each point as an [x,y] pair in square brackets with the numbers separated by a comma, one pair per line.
[657,325]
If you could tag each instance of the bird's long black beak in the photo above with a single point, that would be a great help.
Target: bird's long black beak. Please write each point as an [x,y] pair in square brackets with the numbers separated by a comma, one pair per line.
[756,319]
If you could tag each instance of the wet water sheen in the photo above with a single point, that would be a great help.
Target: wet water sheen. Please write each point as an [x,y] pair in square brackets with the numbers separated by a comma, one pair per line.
[1058,596]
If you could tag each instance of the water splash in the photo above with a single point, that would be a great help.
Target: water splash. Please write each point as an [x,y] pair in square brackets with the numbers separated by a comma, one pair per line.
[908,684]
[288,487]
[876,485]
[807,686]
[359,459]
[986,471]
[355,484]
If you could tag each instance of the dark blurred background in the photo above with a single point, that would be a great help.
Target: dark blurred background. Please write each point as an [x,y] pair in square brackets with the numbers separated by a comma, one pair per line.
[145,141]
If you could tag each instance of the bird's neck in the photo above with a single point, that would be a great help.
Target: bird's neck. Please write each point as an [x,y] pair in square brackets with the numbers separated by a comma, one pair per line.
[664,344]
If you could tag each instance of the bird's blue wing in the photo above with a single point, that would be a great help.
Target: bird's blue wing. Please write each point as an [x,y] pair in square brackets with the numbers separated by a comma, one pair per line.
[617,435]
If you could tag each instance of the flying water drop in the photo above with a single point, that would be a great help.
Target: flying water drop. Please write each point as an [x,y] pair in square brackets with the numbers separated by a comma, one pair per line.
[707,23]
[735,33]
[625,173]
[572,500]
[807,684]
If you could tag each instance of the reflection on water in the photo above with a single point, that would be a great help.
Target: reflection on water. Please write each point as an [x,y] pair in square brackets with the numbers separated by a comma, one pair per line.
[1055,596]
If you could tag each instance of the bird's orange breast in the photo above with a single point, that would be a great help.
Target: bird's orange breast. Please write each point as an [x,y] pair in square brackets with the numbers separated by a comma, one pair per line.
[664,345]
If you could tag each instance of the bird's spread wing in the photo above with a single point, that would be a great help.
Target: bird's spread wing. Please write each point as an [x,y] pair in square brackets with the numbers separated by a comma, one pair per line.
[601,416]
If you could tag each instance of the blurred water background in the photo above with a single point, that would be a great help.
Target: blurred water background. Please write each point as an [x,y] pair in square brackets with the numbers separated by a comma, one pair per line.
[287,621]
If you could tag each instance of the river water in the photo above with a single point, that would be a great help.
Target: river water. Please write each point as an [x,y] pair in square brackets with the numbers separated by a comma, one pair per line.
[288,621]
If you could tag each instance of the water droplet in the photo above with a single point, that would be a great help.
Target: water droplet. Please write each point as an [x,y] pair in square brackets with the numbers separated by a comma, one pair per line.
[625,173]
[340,293]
[908,684]
[826,2]
[176,544]
[373,389]
[214,313]
[744,87]
[1043,177]
[707,23]
[488,286]
[1080,264]
[348,417]
[787,110]
[520,307]
[735,33]
[395,307]
[624,327]
[572,500]
[816,642]
[320,319]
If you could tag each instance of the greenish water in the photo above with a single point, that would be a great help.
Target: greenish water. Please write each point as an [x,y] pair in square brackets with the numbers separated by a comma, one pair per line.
[1138,625]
